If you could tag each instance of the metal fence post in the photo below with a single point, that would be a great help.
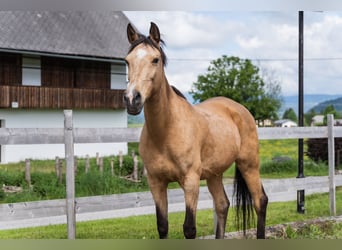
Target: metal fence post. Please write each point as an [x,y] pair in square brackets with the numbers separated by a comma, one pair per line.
[70,173]
[331,161]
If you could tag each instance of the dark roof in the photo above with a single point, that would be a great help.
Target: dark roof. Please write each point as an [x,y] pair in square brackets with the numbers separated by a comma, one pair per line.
[90,33]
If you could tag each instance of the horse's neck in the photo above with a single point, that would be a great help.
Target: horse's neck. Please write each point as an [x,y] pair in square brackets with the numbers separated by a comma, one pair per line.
[159,111]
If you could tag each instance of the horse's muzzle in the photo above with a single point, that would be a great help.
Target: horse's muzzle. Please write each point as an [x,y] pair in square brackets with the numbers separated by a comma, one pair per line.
[133,103]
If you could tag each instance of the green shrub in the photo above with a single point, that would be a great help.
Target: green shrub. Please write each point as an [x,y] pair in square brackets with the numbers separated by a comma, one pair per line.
[11,178]
[290,166]
[95,183]
[46,185]
[286,166]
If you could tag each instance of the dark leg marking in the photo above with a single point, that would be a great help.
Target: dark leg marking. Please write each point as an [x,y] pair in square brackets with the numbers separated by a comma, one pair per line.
[262,216]
[162,224]
[189,226]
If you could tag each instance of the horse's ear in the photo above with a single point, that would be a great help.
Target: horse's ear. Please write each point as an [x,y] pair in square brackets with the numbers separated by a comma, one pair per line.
[154,33]
[132,35]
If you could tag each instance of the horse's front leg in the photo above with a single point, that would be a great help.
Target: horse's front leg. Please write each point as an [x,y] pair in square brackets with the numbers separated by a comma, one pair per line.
[159,193]
[191,191]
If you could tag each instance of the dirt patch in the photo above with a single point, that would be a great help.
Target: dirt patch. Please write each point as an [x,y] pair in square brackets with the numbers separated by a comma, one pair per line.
[12,189]
[280,231]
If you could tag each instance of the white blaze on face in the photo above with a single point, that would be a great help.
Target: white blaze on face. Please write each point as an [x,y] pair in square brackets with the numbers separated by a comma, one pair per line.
[141,53]
[139,56]
[130,91]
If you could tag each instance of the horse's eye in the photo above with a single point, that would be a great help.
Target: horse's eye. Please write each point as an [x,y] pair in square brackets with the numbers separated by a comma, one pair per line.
[155,60]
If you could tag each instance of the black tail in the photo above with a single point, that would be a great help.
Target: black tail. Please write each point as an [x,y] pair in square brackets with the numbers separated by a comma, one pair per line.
[244,204]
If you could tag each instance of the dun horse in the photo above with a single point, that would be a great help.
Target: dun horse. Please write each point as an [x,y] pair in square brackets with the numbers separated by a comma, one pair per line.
[185,143]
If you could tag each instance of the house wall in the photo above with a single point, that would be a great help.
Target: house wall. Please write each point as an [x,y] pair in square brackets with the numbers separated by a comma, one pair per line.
[20,118]
[41,87]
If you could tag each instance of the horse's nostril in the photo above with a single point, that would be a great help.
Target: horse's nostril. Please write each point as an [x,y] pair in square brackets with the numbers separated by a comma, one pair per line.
[137,97]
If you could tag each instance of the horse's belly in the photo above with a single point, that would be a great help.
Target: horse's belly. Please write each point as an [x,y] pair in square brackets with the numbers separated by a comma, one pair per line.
[159,166]
[220,152]
[217,164]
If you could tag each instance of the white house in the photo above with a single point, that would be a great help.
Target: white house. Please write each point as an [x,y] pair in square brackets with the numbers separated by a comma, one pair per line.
[51,61]
[285,123]
[317,120]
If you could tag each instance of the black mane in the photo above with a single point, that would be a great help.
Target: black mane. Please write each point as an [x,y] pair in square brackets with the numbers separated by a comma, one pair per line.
[148,41]
[178,92]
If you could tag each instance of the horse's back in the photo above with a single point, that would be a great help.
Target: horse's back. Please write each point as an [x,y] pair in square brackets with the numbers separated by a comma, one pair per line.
[226,107]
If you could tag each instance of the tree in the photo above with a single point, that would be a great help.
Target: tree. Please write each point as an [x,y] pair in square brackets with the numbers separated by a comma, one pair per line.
[239,80]
[290,114]
[308,117]
[330,109]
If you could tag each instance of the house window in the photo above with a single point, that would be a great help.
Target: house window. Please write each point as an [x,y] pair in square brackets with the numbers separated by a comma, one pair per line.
[118,76]
[10,69]
[31,71]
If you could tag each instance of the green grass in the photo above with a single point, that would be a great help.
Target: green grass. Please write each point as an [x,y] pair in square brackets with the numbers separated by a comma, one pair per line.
[287,149]
[269,149]
[144,227]
[323,230]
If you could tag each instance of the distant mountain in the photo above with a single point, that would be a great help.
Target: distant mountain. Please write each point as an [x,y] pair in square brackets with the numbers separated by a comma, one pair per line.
[337,103]
[310,101]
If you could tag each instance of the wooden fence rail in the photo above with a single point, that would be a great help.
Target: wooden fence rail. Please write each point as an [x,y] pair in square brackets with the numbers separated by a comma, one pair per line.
[69,135]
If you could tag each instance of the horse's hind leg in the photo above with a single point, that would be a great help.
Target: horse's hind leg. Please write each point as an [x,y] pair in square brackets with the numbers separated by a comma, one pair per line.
[221,202]
[251,176]
[159,193]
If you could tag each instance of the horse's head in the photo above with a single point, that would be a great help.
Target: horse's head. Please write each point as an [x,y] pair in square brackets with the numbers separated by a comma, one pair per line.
[145,61]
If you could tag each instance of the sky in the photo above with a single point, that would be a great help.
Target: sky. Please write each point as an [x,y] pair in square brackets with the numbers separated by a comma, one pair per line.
[270,39]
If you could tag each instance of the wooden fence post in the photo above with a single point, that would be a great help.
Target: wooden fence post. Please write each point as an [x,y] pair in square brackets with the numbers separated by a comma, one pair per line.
[101,165]
[112,167]
[27,172]
[120,162]
[60,171]
[135,168]
[331,163]
[57,166]
[70,173]
[87,164]
[97,158]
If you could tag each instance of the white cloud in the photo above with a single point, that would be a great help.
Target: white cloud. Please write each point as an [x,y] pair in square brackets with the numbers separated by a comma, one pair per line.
[195,38]
[250,42]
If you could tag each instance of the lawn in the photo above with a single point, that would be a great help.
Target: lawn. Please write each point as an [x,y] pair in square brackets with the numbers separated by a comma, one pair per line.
[144,227]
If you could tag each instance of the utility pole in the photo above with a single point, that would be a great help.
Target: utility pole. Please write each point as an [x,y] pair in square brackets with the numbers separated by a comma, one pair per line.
[300,193]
